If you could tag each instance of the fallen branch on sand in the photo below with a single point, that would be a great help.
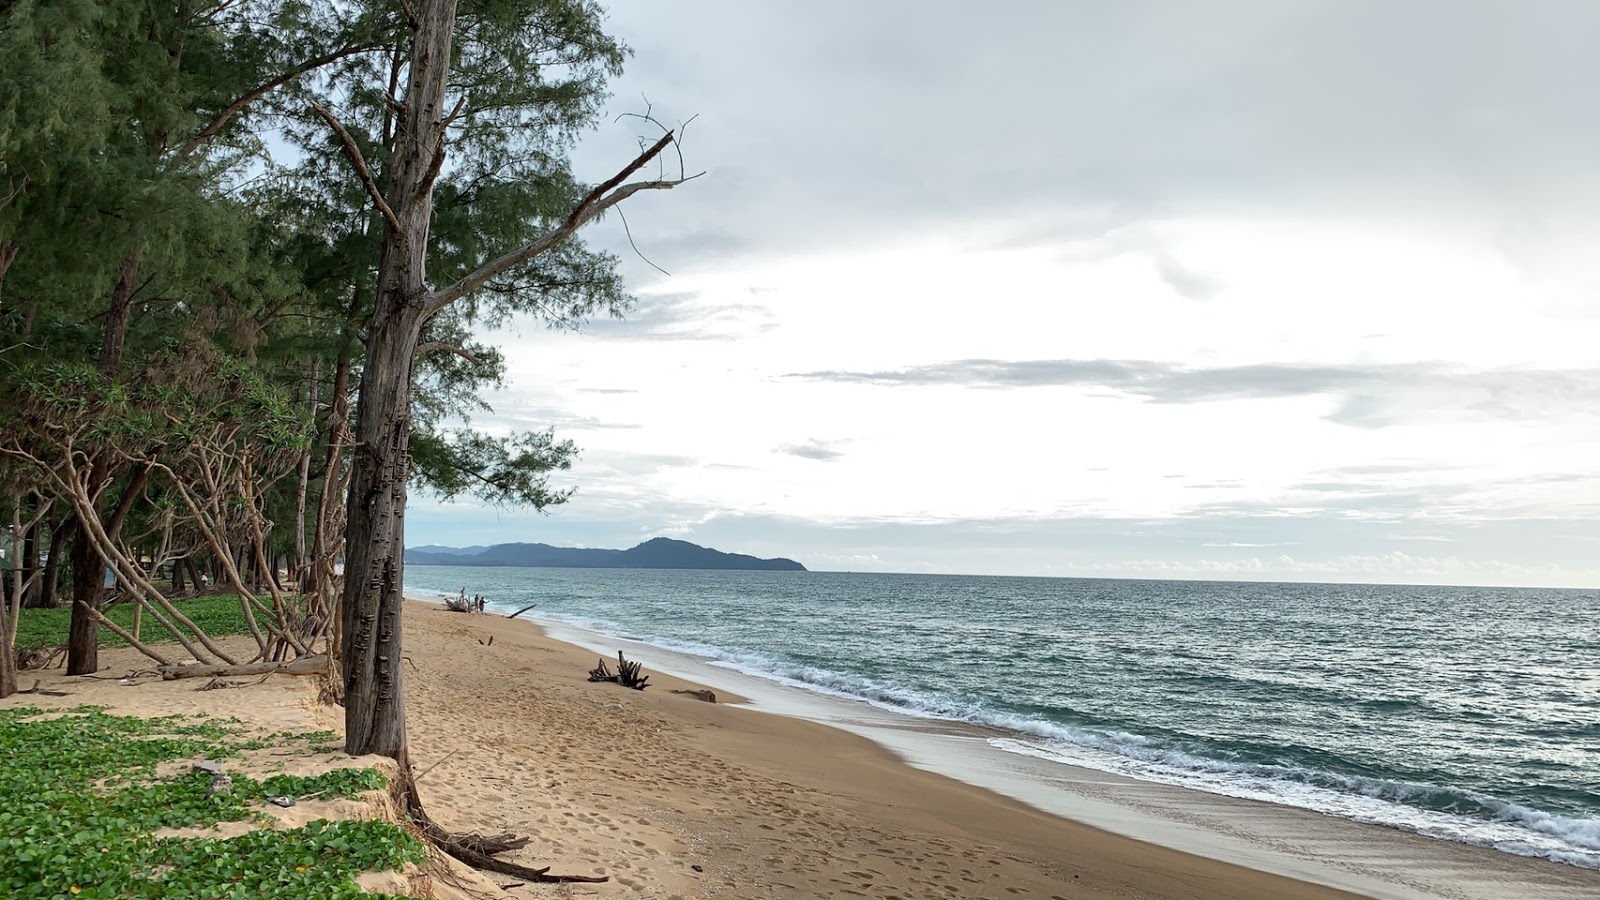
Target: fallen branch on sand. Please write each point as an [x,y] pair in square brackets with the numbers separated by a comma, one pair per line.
[521,611]
[627,674]
[475,849]
[305,665]
[36,689]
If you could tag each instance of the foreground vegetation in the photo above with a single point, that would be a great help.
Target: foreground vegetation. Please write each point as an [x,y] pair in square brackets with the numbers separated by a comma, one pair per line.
[81,795]
[219,615]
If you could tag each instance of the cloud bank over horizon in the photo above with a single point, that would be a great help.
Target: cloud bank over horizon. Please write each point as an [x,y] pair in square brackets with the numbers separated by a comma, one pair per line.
[1300,291]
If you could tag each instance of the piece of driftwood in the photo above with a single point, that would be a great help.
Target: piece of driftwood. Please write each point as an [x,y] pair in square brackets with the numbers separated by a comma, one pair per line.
[474,849]
[305,665]
[702,694]
[39,657]
[627,674]
[46,692]
[521,611]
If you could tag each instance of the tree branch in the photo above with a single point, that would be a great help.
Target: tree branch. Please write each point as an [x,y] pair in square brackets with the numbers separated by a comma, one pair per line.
[258,91]
[431,346]
[603,197]
[360,163]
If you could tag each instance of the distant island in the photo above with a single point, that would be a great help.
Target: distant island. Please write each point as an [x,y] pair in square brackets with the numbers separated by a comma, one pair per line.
[656,553]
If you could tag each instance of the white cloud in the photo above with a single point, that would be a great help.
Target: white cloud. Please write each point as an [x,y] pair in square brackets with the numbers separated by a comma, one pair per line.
[1231,196]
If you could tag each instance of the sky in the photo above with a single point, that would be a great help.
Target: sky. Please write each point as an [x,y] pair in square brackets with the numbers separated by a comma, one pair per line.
[1285,289]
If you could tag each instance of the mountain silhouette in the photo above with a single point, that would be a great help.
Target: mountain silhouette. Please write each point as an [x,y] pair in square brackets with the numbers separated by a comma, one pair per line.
[656,553]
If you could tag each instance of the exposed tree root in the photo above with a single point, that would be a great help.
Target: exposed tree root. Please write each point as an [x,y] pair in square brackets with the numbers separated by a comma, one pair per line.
[627,674]
[473,848]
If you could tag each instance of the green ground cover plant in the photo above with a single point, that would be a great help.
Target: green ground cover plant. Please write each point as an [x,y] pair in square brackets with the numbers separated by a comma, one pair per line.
[80,794]
[218,614]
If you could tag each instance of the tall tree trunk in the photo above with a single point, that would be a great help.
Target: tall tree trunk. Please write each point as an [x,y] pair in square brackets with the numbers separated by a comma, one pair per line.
[83,635]
[88,579]
[322,538]
[374,711]
[11,604]
[8,666]
[29,562]
[299,561]
[8,255]
[115,338]
[83,652]
[51,579]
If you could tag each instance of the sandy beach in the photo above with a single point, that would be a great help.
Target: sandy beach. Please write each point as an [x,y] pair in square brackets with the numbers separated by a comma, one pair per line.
[674,797]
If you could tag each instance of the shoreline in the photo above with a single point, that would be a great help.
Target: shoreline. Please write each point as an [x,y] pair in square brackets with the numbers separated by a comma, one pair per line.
[1055,809]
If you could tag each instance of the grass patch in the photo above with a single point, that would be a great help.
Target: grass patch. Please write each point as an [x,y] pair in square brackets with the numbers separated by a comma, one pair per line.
[79,798]
[218,615]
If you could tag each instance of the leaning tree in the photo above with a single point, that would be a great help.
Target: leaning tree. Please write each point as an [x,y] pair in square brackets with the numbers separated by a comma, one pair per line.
[482,100]
[508,84]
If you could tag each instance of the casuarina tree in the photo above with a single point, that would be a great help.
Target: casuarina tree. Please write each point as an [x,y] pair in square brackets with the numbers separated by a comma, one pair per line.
[484,95]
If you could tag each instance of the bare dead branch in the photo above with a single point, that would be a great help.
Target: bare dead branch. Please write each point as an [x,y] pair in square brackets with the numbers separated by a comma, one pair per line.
[637,252]
[606,195]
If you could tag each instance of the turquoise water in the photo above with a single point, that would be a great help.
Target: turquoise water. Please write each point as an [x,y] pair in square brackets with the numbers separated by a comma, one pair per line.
[1469,714]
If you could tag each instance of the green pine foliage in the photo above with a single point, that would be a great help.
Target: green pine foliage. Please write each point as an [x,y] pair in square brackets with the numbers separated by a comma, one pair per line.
[80,795]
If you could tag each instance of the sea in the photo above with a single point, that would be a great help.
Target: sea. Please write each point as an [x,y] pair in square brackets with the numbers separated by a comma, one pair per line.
[1462,713]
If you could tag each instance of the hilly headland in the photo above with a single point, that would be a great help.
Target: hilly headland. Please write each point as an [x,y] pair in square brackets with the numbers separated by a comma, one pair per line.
[656,553]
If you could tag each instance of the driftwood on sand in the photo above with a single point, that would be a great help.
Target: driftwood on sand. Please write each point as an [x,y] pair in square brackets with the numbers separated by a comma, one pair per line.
[627,674]
[305,665]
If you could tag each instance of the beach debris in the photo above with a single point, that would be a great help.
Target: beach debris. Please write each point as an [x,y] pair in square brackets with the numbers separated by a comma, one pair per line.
[305,665]
[437,764]
[220,784]
[701,694]
[40,657]
[522,610]
[627,673]
[284,802]
[463,603]
[490,642]
[42,691]
[217,684]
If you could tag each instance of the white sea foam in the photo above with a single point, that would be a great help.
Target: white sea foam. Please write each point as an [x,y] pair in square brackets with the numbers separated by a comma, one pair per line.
[1516,829]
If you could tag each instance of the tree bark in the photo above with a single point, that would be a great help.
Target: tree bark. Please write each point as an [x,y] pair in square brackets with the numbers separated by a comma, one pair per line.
[8,669]
[83,635]
[375,532]
[115,338]
[323,543]
[52,563]
[88,576]
[83,652]
[29,562]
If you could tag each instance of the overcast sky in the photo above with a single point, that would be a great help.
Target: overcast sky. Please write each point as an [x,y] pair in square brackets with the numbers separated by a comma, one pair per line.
[1280,289]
